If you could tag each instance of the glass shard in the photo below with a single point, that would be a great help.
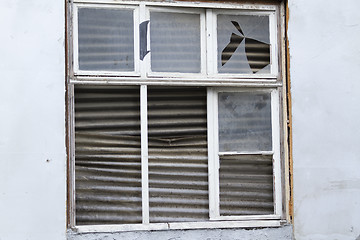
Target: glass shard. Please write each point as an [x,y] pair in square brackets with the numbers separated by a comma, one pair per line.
[229,50]
[257,54]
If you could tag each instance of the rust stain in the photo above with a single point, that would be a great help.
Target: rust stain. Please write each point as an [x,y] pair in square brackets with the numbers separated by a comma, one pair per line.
[289,124]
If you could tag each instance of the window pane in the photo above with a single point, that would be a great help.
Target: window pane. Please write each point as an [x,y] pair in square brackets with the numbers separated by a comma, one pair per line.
[243,44]
[175,42]
[107,155]
[178,169]
[106,39]
[246,185]
[244,121]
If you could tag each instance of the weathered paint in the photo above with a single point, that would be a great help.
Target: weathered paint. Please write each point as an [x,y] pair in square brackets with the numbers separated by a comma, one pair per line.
[325,86]
[283,233]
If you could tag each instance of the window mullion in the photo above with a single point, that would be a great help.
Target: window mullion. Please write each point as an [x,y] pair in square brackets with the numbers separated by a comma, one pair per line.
[213,158]
[144,16]
[210,58]
[276,149]
[144,154]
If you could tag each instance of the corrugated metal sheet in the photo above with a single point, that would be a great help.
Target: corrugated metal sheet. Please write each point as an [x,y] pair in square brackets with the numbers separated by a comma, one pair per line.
[108,160]
[246,185]
[107,155]
[178,178]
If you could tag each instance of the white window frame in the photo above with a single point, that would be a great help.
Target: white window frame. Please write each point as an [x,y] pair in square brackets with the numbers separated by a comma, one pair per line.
[202,73]
[215,82]
[213,153]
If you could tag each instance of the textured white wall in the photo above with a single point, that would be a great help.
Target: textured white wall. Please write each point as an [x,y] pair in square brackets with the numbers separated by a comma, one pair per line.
[32,120]
[325,83]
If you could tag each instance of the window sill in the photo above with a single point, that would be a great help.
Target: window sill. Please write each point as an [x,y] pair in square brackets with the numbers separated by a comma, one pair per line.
[178,226]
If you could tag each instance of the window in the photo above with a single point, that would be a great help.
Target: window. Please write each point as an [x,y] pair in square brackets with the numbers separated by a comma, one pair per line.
[175,116]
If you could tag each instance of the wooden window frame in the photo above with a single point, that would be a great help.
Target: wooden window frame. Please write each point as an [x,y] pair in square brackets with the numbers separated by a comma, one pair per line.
[142,76]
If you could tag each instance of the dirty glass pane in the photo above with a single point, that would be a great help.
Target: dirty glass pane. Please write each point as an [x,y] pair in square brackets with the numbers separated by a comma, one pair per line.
[175,42]
[243,44]
[106,39]
[244,121]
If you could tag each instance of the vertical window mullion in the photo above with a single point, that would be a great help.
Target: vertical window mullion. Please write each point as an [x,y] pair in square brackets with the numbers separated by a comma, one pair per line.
[276,149]
[213,156]
[274,47]
[144,16]
[144,154]
[210,42]
[72,155]
[75,41]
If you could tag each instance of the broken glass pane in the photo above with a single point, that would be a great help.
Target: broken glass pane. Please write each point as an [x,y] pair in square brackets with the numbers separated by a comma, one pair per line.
[243,44]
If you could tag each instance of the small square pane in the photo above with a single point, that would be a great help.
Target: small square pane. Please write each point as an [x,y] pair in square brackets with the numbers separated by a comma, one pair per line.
[244,122]
[243,44]
[175,42]
[106,39]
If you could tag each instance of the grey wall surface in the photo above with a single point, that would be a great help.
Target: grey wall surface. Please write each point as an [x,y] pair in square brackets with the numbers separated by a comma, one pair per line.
[325,84]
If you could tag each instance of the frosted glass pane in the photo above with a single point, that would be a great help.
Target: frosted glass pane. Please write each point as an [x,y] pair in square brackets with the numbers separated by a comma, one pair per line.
[175,42]
[106,39]
[243,44]
[244,122]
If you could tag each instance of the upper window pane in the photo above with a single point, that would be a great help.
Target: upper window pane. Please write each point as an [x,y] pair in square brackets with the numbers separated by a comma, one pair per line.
[106,39]
[244,121]
[243,44]
[175,42]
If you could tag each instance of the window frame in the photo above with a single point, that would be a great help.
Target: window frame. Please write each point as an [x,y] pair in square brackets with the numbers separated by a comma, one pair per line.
[202,74]
[214,154]
[215,83]
[273,50]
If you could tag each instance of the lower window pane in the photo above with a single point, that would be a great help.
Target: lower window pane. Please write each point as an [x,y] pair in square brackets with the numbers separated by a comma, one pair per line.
[107,155]
[178,170]
[246,185]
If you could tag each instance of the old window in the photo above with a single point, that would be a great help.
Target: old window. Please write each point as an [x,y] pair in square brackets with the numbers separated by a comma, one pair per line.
[175,116]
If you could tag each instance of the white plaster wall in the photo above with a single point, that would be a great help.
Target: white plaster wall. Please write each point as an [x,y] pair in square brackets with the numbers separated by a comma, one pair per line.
[325,84]
[32,120]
